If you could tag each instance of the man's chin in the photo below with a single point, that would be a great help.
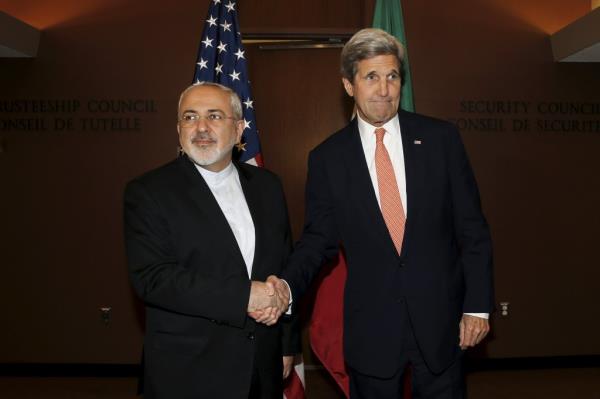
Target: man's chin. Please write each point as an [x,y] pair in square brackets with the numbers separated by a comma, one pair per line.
[379,120]
[204,160]
[379,114]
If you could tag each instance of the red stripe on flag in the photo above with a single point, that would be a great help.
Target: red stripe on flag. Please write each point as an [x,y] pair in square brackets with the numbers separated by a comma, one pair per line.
[293,387]
[327,324]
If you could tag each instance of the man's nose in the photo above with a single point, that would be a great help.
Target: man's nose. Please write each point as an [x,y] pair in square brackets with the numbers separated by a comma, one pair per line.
[383,88]
[202,124]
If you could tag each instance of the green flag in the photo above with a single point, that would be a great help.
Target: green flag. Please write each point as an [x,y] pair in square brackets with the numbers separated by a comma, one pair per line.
[388,16]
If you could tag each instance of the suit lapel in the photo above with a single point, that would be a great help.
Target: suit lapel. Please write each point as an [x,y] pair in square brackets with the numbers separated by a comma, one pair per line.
[253,199]
[207,204]
[413,171]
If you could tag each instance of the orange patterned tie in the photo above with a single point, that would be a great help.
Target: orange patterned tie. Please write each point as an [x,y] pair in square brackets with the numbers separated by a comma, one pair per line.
[389,195]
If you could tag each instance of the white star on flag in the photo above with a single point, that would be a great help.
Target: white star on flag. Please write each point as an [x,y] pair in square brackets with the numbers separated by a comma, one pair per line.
[217,1]
[219,68]
[235,75]
[248,103]
[202,63]
[226,26]
[207,42]
[212,21]
[230,6]
[222,47]
[240,54]
[247,124]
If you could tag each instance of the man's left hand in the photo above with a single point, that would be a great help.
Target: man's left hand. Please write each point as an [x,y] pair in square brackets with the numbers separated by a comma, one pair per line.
[288,363]
[473,330]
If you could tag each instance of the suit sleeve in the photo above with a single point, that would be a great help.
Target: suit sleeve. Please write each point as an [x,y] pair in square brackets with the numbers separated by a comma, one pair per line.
[320,240]
[290,337]
[290,325]
[471,230]
[161,281]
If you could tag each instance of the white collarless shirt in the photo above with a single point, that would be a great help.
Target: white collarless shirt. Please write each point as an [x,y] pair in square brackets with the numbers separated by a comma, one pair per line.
[227,190]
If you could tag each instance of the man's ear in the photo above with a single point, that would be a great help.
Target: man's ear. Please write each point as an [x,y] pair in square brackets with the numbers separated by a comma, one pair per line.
[348,86]
[239,129]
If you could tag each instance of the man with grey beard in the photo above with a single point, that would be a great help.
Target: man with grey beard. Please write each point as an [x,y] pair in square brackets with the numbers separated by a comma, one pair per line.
[201,233]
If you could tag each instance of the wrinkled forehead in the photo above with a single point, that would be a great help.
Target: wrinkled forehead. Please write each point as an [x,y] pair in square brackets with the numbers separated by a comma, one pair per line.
[384,62]
[203,99]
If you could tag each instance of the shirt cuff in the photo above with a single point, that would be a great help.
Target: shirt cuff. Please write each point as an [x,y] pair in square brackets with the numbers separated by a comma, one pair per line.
[289,309]
[482,315]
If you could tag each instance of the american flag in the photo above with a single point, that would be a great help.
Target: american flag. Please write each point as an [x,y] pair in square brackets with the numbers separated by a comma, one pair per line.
[222,59]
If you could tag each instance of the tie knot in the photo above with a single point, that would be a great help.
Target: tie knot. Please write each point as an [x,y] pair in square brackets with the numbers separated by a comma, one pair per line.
[379,132]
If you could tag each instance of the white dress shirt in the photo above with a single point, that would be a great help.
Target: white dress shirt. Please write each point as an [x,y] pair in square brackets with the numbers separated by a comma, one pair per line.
[227,190]
[392,139]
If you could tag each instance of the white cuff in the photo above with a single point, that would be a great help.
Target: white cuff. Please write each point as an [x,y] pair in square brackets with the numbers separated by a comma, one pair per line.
[289,309]
[482,315]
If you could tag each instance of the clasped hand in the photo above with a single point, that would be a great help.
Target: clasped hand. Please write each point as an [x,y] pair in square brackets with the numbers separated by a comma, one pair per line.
[268,300]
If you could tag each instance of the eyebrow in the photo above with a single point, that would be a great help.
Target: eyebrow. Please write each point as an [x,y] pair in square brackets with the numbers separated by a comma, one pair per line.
[193,111]
[387,73]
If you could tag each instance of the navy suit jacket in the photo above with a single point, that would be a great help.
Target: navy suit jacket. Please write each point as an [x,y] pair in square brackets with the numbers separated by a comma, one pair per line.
[445,267]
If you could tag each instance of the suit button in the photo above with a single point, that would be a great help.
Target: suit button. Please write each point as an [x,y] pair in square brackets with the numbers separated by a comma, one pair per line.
[401,264]
[250,336]
[400,300]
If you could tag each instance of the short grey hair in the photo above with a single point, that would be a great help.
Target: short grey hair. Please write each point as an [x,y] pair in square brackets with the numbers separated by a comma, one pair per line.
[369,43]
[234,100]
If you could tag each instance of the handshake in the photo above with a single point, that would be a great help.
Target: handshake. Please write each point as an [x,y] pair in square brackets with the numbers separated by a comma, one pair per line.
[268,300]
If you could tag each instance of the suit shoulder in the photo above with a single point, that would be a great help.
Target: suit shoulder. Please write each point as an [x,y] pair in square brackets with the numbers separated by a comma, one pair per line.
[261,174]
[335,142]
[427,123]
[162,175]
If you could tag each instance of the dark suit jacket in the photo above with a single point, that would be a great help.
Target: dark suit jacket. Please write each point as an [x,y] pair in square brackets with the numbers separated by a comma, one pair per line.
[186,266]
[445,267]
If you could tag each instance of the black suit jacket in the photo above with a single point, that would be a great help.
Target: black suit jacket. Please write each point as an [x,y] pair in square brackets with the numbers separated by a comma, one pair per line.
[445,267]
[185,264]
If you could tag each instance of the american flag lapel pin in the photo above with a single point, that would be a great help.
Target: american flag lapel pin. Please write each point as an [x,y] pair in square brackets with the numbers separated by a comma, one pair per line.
[417,142]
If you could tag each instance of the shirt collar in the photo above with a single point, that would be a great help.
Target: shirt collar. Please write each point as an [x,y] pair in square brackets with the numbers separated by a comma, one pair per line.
[216,178]
[367,130]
